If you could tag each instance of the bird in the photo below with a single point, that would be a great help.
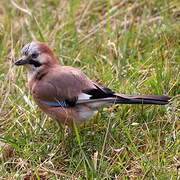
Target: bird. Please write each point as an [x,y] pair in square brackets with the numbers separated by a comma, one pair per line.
[65,93]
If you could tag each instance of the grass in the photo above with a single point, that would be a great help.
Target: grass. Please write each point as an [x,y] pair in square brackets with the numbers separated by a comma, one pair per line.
[130,46]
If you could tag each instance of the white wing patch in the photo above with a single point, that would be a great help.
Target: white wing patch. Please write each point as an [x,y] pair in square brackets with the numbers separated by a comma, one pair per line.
[93,103]
[84,96]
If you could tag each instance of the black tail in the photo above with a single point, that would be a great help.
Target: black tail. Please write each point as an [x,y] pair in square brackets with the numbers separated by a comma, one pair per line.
[102,95]
[142,99]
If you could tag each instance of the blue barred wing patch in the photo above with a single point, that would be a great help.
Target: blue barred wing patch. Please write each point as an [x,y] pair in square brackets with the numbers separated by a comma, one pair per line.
[55,104]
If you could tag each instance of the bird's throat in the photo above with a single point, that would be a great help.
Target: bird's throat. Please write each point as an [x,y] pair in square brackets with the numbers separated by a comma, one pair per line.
[32,72]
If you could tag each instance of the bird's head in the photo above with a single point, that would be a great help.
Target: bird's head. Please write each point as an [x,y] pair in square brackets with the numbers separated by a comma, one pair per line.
[35,55]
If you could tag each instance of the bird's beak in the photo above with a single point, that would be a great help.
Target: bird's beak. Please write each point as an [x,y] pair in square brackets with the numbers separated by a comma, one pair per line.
[21,62]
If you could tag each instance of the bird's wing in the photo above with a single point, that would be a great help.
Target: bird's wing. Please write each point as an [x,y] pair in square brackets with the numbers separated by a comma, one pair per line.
[67,86]
[102,95]
[63,85]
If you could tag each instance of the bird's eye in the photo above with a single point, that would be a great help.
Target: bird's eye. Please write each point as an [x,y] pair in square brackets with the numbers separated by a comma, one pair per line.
[34,55]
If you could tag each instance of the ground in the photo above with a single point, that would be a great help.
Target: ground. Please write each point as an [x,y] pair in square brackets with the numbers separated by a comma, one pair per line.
[130,46]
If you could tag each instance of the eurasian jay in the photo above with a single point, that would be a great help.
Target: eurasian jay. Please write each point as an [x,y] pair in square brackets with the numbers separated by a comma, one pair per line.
[65,93]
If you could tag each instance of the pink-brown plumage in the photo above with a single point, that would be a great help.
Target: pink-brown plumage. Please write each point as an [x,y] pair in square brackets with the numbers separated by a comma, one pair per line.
[65,93]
